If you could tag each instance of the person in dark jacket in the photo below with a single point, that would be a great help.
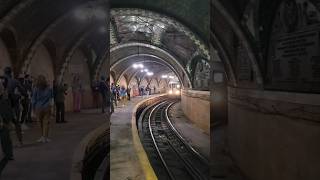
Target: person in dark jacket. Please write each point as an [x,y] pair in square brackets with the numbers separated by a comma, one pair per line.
[129,93]
[103,88]
[6,117]
[26,101]
[15,91]
[61,92]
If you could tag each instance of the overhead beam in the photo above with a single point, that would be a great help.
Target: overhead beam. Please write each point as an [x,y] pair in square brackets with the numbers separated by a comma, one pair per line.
[13,12]
[72,50]
[44,35]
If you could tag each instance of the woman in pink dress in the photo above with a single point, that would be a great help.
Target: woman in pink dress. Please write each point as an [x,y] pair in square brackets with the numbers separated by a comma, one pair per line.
[77,94]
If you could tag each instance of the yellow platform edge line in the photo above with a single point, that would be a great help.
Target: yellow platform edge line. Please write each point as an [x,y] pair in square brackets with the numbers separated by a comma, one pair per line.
[142,155]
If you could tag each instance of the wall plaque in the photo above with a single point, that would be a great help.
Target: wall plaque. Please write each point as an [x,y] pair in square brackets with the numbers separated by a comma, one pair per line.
[294,52]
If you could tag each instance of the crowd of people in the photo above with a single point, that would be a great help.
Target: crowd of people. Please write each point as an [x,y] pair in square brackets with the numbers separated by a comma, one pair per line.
[25,100]
[119,95]
[111,95]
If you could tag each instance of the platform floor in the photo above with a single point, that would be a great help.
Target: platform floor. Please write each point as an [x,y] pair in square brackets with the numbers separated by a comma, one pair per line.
[51,161]
[124,162]
[191,133]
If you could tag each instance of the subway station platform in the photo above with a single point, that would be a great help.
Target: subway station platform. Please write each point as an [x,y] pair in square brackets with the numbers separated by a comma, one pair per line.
[124,161]
[127,159]
[52,161]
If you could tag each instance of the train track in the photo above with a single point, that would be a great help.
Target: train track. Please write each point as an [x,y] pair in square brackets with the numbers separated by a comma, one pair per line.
[171,156]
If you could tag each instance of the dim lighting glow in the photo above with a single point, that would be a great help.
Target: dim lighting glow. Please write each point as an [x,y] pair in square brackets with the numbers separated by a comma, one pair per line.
[150,73]
[170,92]
[164,76]
[177,92]
[137,66]
[178,86]
[173,82]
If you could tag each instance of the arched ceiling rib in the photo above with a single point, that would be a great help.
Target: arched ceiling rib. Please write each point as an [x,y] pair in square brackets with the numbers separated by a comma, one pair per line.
[157,29]
[122,64]
[151,63]
[188,12]
[54,20]
[131,49]
[154,66]
[162,35]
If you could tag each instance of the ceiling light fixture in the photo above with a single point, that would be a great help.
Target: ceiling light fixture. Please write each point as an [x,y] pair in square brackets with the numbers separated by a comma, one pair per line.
[150,73]
[137,65]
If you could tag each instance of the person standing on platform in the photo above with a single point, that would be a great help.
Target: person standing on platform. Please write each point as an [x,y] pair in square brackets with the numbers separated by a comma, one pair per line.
[103,88]
[147,91]
[129,93]
[118,92]
[14,91]
[113,101]
[108,100]
[142,92]
[54,92]
[6,118]
[95,90]
[61,92]
[26,114]
[77,93]
[123,96]
[42,101]
[114,94]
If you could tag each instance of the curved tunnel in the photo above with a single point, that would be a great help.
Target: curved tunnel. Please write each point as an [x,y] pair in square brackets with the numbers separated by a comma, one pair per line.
[248,70]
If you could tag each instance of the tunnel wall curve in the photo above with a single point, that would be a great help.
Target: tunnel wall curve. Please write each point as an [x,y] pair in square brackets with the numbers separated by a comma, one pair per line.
[42,64]
[78,67]
[5,57]
[196,106]
[274,128]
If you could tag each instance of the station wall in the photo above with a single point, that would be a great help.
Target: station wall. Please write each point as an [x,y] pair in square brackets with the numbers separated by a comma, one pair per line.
[79,67]
[123,82]
[196,106]
[274,135]
[5,57]
[42,64]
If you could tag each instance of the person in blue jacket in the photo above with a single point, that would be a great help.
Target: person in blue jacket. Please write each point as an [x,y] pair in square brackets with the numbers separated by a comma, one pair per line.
[42,102]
